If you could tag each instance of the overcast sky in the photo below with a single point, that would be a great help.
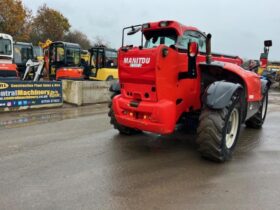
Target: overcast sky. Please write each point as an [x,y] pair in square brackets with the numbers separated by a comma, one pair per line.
[239,27]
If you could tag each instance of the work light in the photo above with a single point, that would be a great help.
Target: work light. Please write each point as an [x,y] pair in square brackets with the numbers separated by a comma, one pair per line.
[146,26]
[164,24]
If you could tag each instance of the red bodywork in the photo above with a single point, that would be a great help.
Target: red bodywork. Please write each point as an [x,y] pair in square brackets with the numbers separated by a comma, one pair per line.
[152,79]
[8,70]
[263,62]
[74,73]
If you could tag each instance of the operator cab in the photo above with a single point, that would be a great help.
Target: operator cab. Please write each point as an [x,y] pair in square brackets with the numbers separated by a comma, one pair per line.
[22,53]
[176,36]
[63,55]
[168,33]
[103,64]
[8,70]
[6,49]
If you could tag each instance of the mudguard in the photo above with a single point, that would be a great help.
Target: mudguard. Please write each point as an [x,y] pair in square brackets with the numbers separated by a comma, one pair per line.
[219,94]
[115,87]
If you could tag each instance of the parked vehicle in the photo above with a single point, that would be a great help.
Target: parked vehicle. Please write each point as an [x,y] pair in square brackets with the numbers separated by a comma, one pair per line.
[63,61]
[22,53]
[173,78]
[103,64]
[8,70]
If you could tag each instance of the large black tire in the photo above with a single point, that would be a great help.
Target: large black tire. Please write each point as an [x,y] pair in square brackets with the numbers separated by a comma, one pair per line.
[218,131]
[110,78]
[122,129]
[258,119]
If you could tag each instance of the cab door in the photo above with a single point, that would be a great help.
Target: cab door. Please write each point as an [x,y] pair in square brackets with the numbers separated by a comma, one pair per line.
[96,61]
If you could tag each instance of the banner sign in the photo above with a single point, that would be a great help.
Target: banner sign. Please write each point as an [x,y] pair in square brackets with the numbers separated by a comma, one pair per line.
[29,94]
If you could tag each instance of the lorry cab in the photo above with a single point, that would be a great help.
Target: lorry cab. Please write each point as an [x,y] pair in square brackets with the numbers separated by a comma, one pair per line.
[63,61]
[103,64]
[8,70]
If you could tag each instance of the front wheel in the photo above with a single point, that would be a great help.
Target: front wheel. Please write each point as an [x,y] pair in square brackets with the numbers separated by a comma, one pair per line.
[218,131]
[258,119]
[110,78]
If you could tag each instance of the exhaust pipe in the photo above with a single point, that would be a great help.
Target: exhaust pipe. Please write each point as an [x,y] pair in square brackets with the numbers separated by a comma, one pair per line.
[208,49]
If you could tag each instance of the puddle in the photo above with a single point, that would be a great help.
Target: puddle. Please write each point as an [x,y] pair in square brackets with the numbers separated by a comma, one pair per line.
[28,118]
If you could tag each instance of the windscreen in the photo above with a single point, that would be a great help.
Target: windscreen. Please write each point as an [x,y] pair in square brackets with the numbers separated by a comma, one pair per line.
[5,47]
[155,38]
[22,53]
[38,52]
[111,58]
[73,56]
[57,54]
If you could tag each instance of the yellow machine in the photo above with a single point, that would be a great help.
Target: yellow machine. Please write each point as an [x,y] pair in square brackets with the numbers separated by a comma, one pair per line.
[260,71]
[103,64]
[45,44]
[38,53]
[275,68]
[85,56]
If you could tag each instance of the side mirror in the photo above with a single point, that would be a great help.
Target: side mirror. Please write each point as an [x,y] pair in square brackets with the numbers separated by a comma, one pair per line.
[192,49]
[268,43]
[134,31]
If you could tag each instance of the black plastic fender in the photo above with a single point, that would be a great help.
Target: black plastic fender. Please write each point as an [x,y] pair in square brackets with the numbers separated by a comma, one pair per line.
[219,94]
[115,87]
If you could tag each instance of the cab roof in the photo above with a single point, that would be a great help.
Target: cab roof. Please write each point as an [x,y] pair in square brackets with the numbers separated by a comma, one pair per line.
[178,27]
[23,43]
[102,48]
[6,36]
[67,44]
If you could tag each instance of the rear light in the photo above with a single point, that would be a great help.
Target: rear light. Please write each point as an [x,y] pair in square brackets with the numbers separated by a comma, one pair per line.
[163,24]
[146,26]
[193,49]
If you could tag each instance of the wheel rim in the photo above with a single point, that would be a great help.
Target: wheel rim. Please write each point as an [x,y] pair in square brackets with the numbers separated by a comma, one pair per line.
[232,128]
[264,105]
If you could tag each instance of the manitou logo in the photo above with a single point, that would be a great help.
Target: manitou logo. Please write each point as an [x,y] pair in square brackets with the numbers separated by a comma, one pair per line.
[136,62]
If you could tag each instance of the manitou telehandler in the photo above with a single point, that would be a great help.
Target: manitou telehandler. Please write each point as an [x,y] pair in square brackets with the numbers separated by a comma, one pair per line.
[174,79]
[8,70]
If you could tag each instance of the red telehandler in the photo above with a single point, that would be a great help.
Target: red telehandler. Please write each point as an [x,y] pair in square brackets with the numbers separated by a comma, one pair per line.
[174,78]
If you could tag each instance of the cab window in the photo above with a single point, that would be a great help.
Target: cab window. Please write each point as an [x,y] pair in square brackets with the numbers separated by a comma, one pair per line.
[111,59]
[192,36]
[73,56]
[167,37]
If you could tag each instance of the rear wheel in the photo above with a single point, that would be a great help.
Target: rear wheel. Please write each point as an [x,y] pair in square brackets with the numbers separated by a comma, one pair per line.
[110,78]
[122,129]
[218,131]
[258,119]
